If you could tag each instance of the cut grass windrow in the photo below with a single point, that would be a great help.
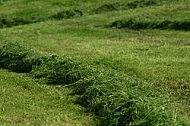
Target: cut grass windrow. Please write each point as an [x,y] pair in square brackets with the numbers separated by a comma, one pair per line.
[166,24]
[115,98]
[6,21]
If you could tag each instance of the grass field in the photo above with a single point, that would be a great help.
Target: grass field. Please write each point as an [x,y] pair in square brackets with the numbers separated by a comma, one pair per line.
[143,46]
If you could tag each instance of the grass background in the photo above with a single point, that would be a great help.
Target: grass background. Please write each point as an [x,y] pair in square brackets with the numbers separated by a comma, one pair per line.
[158,58]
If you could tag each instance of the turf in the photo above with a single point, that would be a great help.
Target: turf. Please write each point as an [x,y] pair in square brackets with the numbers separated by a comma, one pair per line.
[156,56]
[28,102]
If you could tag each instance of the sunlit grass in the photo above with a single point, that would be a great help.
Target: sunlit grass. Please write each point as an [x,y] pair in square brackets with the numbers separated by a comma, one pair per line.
[27,102]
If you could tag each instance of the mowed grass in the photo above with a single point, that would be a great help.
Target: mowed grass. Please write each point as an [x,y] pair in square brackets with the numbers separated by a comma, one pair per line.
[158,58]
[27,102]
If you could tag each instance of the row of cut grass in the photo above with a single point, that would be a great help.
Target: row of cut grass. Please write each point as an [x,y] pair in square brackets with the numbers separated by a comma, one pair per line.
[160,11]
[136,25]
[115,100]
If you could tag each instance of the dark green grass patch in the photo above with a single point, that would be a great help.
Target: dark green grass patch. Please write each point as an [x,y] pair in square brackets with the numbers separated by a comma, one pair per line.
[115,98]
[10,22]
[59,70]
[136,24]
[18,58]
[67,14]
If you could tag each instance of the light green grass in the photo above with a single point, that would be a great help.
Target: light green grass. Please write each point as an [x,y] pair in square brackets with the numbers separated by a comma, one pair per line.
[40,8]
[27,102]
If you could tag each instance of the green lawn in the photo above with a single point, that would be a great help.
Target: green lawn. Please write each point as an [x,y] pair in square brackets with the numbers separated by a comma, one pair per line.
[26,102]
[159,59]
